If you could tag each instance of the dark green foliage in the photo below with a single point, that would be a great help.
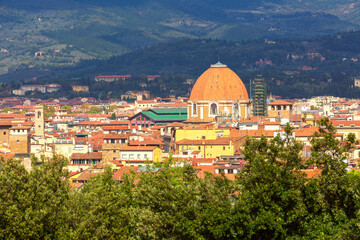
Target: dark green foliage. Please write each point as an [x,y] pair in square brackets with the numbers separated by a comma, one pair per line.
[270,199]
[33,204]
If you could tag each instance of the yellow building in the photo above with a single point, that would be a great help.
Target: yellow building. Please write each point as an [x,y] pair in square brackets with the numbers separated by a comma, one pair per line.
[346,127]
[140,154]
[80,88]
[218,95]
[210,133]
[211,148]
[310,117]
[210,141]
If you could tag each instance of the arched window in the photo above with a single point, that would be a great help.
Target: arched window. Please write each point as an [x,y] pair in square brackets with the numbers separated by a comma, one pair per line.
[39,114]
[236,110]
[213,109]
[194,109]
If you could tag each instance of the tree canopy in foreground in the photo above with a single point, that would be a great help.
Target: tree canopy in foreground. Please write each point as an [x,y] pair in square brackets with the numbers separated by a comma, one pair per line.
[271,198]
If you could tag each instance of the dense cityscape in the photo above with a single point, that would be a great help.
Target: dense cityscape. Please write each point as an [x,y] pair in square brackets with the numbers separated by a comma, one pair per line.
[170,119]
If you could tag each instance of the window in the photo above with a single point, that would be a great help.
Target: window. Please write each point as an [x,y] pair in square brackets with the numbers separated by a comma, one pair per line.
[224,148]
[213,109]
[124,156]
[145,156]
[230,171]
[4,133]
[194,108]
[131,156]
[17,141]
[138,156]
[114,151]
[199,147]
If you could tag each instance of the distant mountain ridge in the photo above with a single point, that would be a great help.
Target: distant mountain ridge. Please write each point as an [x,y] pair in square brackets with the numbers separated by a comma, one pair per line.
[63,32]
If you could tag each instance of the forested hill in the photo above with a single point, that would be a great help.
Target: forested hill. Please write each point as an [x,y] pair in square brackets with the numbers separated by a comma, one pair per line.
[292,68]
[192,56]
[69,30]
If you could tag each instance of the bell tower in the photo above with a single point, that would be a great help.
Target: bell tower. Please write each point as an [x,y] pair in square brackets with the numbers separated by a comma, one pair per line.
[39,121]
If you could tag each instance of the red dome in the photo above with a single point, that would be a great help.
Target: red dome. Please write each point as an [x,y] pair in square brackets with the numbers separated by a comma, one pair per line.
[219,83]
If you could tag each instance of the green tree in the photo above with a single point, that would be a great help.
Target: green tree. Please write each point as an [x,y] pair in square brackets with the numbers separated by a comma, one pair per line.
[95,109]
[32,203]
[7,109]
[113,107]
[48,110]
[113,116]
[99,210]
[24,110]
[68,109]
[270,201]
[85,107]
[174,203]
[332,199]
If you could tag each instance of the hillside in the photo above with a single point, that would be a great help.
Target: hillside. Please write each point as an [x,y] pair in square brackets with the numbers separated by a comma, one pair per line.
[292,68]
[64,32]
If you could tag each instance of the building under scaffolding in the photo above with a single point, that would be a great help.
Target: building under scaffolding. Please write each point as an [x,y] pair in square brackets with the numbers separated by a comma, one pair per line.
[259,96]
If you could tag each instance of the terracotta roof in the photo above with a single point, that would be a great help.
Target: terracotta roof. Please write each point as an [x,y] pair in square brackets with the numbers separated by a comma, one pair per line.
[114,136]
[203,169]
[118,175]
[91,155]
[72,174]
[305,132]
[108,128]
[310,173]
[272,123]
[85,176]
[175,124]
[280,102]
[137,148]
[219,83]
[345,123]
[75,185]
[20,127]
[218,141]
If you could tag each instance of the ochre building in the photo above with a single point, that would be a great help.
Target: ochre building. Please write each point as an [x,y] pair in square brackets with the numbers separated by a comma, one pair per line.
[218,94]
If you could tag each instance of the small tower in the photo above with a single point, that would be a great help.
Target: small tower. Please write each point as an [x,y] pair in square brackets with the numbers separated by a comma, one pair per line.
[20,139]
[39,121]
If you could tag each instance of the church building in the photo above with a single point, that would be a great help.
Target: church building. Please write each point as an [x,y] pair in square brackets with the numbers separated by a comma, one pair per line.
[218,94]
